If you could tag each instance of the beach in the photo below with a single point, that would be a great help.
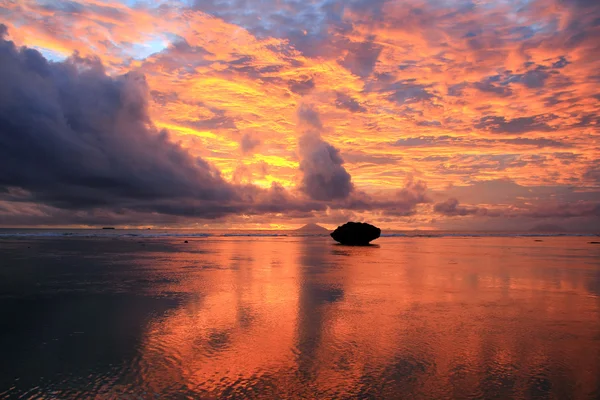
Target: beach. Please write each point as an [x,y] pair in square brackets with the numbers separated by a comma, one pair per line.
[272,316]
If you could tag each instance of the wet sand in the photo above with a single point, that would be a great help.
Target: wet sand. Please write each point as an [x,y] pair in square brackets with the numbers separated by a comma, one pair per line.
[300,317]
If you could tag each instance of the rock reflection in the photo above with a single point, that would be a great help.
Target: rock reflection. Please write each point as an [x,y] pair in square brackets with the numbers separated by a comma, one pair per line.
[316,292]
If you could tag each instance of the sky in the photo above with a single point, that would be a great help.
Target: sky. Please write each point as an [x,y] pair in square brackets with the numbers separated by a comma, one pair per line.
[418,114]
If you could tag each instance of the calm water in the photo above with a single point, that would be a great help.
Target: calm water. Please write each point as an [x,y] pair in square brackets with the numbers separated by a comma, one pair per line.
[299,317]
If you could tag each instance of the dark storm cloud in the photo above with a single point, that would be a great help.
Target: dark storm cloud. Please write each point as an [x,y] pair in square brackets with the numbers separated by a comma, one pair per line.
[323,174]
[335,30]
[24,214]
[157,212]
[74,137]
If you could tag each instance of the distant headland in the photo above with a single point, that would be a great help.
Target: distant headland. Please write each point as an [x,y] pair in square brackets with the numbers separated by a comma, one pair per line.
[313,228]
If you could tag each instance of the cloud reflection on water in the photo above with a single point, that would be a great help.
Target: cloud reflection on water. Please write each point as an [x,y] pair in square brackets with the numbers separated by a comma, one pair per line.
[293,317]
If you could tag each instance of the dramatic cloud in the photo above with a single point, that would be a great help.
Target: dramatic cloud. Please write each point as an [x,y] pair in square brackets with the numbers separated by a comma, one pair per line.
[400,203]
[324,177]
[491,103]
[74,137]
[405,201]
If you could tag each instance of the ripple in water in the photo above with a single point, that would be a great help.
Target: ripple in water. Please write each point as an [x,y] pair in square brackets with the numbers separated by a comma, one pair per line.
[289,317]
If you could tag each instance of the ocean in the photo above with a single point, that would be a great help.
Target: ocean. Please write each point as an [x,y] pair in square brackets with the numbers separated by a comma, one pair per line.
[141,314]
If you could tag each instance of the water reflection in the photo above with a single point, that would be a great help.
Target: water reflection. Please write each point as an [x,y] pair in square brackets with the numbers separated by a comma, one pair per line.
[304,318]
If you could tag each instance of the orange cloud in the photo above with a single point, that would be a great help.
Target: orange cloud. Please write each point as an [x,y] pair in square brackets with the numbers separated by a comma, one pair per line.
[496,91]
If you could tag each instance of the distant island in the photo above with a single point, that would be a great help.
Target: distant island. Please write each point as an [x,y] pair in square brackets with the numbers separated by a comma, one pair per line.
[108,227]
[313,228]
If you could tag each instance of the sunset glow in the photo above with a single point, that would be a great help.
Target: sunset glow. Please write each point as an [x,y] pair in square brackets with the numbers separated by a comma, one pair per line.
[411,114]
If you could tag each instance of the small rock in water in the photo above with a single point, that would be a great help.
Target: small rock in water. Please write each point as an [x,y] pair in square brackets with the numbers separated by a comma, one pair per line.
[185,241]
[594,242]
[356,233]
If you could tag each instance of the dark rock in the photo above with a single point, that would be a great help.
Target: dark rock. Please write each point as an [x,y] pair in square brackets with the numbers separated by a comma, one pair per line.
[185,241]
[356,233]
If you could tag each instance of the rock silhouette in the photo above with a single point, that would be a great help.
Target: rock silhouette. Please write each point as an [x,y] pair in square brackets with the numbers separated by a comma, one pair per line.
[356,233]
